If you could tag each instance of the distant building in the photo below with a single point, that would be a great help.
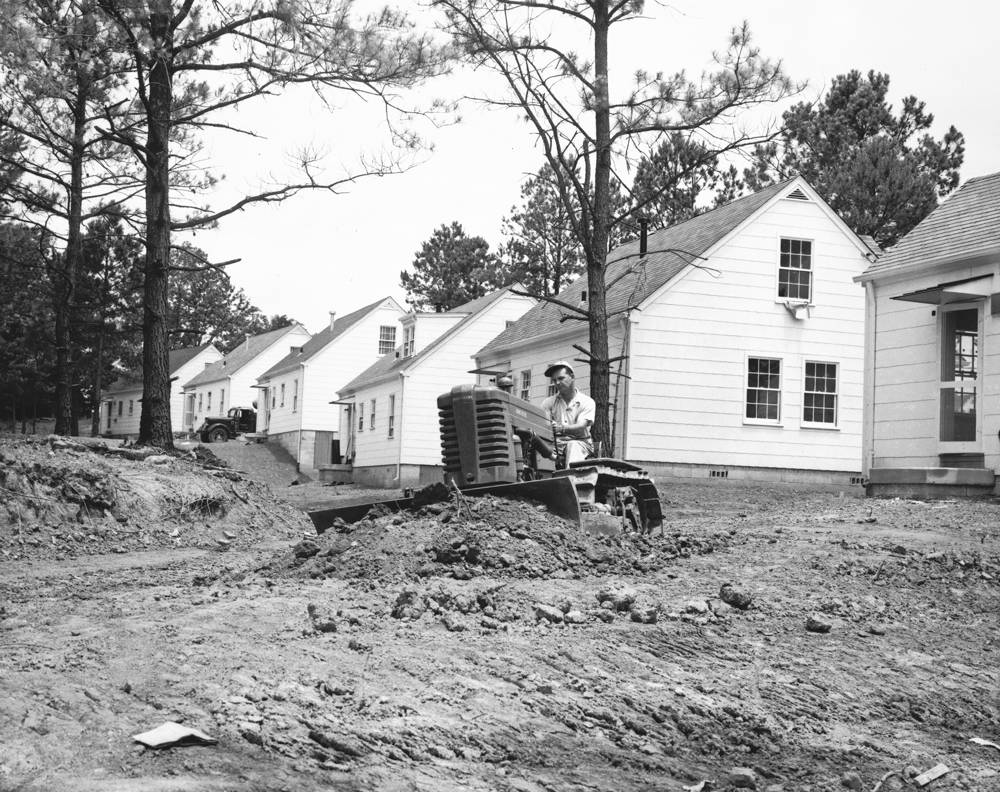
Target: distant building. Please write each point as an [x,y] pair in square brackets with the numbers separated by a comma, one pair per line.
[739,341]
[120,401]
[295,409]
[390,410]
[230,382]
[932,353]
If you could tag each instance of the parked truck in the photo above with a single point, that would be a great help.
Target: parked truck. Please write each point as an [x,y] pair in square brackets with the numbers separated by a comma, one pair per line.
[238,420]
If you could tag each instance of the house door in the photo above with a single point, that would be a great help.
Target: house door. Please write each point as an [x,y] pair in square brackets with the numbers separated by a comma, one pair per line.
[189,412]
[960,424]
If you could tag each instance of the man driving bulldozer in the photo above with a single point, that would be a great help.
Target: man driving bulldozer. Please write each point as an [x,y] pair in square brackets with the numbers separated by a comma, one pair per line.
[571,413]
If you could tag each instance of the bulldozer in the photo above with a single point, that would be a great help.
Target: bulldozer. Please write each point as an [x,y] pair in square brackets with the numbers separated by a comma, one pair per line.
[493,443]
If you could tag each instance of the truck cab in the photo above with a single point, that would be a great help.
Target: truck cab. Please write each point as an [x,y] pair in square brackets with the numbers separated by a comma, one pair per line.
[238,420]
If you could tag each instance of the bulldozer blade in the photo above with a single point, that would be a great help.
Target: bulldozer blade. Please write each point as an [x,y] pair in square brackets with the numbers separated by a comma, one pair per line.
[558,494]
[324,518]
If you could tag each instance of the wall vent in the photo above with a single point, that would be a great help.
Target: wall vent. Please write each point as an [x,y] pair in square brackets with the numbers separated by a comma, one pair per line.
[797,195]
[858,480]
[718,474]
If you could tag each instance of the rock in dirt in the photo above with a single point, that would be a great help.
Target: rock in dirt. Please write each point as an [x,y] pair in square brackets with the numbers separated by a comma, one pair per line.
[818,624]
[453,624]
[343,745]
[574,617]
[605,616]
[305,549]
[734,597]
[742,777]
[644,615]
[409,605]
[321,622]
[620,600]
[697,607]
[548,613]
[851,780]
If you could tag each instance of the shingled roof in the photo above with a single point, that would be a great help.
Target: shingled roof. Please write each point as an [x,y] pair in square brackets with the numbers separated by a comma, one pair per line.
[176,359]
[239,357]
[965,225]
[633,279]
[325,336]
[390,364]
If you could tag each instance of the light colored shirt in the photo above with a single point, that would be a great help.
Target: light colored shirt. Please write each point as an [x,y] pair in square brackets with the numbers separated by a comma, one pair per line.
[580,408]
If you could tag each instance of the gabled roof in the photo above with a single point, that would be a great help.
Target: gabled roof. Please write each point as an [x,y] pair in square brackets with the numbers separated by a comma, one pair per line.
[965,225]
[633,279]
[177,358]
[390,365]
[240,356]
[324,337]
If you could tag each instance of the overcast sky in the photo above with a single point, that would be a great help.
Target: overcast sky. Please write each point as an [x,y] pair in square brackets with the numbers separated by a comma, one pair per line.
[321,252]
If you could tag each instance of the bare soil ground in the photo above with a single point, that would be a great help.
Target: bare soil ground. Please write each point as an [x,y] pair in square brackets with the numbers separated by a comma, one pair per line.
[483,644]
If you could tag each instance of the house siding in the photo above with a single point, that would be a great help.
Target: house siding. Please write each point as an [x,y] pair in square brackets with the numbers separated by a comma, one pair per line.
[905,419]
[341,361]
[373,447]
[690,345]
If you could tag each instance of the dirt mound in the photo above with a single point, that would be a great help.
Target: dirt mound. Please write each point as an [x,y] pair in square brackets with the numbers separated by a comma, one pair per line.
[63,497]
[486,535]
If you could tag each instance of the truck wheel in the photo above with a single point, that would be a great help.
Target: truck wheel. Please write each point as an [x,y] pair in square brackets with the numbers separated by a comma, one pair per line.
[218,435]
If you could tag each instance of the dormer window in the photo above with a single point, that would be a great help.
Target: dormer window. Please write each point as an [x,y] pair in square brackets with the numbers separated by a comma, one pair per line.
[386,339]
[795,270]
[408,335]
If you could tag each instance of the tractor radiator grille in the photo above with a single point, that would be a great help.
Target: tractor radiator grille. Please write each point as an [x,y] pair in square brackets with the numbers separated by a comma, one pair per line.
[491,430]
[492,434]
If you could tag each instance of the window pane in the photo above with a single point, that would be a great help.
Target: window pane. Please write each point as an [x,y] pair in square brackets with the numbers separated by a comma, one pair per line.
[958,414]
[819,398]
[763,393]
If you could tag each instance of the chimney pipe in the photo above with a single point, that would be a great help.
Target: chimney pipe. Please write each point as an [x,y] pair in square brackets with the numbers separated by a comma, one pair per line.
[643,226]
[333,318]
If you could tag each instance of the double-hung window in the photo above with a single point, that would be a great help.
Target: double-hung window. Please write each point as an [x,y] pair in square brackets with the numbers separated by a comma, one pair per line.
[200,401]
[795,270]
[361,417]
[386,339]
[392,415]
[371,424]
[282,394]
[763,391]
[209,401]
[526,384]
[295,395]
[131,403]
[819,397]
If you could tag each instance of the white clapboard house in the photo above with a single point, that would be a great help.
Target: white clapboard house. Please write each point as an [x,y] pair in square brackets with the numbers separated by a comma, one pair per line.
[743,355]
[296,392]
[933,351]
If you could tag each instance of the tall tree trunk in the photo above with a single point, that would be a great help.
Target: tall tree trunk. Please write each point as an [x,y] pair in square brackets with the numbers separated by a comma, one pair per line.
[154,423]
[65,291]
[97,383]
[600,378]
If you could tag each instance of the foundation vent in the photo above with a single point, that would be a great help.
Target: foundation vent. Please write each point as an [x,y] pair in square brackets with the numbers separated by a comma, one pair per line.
[858,480]
[718,474]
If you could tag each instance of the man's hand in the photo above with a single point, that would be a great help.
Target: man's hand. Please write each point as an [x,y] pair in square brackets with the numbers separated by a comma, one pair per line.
[556,429]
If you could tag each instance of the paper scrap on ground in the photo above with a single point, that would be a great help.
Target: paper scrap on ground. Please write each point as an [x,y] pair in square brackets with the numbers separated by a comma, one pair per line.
[171,733]
[935,772]
[987,743]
